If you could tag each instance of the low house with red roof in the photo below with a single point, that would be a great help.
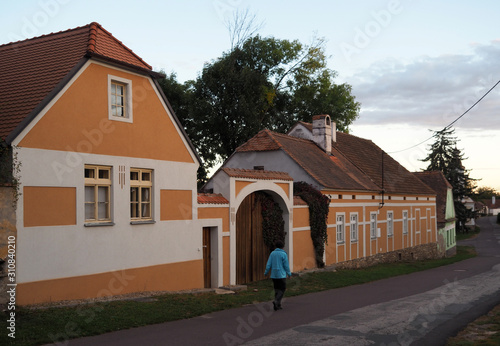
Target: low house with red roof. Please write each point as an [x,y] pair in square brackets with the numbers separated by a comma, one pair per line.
[107,198]
[491,206]
[378,210]
[445,209]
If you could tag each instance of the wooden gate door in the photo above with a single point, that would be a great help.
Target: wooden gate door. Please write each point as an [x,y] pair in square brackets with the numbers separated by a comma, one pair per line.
[251,252]
[207,263]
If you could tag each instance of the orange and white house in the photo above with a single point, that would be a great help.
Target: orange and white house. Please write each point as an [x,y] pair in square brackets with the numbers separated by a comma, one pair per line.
[108,199]
[378,210]
[108,203]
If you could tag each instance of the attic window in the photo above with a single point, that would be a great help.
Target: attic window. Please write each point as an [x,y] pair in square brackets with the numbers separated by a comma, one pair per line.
[119,99]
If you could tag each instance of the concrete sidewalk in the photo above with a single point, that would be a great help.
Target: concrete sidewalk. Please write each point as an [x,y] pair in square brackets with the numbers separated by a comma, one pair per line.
[423,308]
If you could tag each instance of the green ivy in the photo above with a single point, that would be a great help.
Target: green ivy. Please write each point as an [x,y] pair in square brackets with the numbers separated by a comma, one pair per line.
[273,226]
[10,169]
[318,215]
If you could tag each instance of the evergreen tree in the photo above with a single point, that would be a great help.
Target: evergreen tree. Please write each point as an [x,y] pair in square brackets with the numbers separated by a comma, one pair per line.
[444,156]
[441,151]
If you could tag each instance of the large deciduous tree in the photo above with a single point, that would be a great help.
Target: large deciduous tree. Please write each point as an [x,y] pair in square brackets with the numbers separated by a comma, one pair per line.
[262,82]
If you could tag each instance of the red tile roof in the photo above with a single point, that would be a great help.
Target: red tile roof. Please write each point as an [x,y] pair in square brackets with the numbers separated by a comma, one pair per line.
[437,181]
[256,174]
[31,69]
[211,198]
[335,172]
[367,156]
[354,164]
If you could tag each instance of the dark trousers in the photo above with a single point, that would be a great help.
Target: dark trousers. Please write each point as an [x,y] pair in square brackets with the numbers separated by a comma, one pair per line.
[279,291]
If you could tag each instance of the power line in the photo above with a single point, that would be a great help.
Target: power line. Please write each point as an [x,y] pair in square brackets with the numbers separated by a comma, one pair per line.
[450,124]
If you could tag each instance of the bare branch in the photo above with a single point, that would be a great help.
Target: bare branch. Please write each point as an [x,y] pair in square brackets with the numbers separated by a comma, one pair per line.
[242,26]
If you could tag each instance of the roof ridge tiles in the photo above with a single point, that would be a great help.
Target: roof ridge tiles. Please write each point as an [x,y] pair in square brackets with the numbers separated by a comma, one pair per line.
[95,26]
[92,37]
[41,37]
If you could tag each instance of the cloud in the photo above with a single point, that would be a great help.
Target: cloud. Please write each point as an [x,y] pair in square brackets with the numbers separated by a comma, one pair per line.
[432,91]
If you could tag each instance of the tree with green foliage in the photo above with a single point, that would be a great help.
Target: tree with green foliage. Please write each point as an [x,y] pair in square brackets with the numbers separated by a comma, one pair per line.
[444,156]
[484,192]
[260,83]
[441,151]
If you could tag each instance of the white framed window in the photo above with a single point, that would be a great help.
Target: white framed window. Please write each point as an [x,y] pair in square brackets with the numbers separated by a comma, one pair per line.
[390,223]
[373,225]
[340,228]
[97,193]
[354,227]
[120,99]
[405,222]
[141,187]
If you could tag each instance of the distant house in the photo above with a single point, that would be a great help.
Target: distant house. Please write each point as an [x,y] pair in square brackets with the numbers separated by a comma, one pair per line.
[445,209]
[378,209]
[469,204]
[492,206]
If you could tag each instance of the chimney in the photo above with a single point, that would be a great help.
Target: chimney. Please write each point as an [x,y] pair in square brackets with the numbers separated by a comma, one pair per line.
[322,132]
[334,131]
[493,200]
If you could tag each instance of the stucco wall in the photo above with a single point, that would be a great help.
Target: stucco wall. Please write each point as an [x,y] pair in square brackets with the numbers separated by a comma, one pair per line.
[7,229]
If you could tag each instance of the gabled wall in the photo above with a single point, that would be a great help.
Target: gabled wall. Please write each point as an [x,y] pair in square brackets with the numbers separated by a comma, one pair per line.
[60,255]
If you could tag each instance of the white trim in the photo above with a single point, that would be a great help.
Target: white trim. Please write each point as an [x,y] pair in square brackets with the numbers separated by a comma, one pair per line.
[235,202]
[129,115]
[216,225]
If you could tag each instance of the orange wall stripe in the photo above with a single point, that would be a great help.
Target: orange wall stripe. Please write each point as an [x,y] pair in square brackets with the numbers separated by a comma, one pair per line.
[176,205]
[166,277]
[49,206]
[239,185]
[215,213]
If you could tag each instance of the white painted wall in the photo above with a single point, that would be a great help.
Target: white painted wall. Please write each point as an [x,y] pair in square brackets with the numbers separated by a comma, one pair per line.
[60,251]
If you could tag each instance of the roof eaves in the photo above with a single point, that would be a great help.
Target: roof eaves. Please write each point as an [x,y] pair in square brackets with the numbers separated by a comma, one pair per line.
[120,63]
[62,83]
[169,106]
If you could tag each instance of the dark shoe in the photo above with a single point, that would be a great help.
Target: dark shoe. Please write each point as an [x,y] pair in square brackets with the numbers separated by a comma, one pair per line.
[275,306]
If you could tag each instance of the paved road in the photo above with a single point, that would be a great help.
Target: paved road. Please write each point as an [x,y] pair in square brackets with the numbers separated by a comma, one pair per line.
[418,309]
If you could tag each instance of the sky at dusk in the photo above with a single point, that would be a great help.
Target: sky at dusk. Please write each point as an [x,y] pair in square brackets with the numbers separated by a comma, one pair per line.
[415,66]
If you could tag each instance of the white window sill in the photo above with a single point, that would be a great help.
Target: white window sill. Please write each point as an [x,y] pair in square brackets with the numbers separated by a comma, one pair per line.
[98,224]
[142,222]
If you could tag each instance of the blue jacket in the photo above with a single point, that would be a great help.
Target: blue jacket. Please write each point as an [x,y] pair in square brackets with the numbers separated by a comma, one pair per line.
[278,264]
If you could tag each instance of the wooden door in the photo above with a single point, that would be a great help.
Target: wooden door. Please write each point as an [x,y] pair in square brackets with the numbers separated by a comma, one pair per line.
[251,252]
[207,263]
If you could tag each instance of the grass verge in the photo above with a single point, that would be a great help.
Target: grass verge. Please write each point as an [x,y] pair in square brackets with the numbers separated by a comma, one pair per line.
[58,324]
[483,331]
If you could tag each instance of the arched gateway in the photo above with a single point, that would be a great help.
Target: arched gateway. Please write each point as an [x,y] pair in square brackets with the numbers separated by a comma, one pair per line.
[241,187]
[251,251]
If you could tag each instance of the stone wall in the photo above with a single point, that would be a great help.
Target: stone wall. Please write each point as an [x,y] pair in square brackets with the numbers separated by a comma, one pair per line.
[416,253]
[7,229]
